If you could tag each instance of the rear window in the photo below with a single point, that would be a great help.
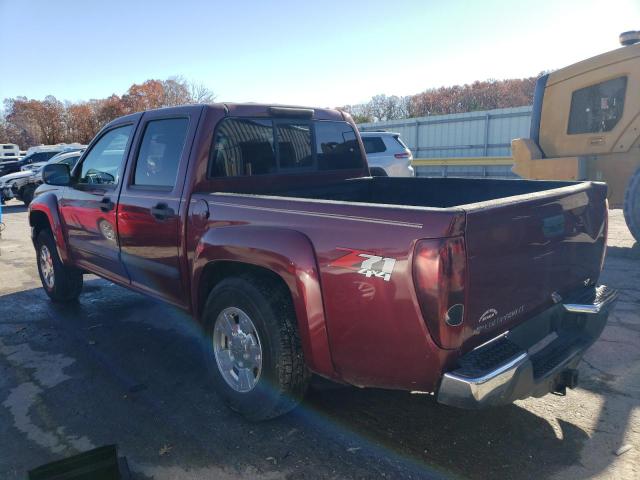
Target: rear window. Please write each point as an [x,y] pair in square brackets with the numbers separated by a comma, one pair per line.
[399,140]
[294,145]
[245,147]
[597,108]
[337,146]
[373,144]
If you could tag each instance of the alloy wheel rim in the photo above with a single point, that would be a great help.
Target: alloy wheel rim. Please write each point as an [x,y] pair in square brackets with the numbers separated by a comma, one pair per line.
[46,266]
[237,349]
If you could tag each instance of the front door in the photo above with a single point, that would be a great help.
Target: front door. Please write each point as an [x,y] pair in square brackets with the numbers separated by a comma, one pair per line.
[88,207]
[149,222]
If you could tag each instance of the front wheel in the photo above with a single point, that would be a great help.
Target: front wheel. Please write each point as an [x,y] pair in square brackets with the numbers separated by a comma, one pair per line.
[253,349]
[632,205]
[61,283]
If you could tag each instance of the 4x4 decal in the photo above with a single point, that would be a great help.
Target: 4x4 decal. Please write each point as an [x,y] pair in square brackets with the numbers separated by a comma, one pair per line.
[366,263]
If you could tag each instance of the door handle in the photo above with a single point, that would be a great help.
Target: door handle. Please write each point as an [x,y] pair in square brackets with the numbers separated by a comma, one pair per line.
[162,211]
[106,205]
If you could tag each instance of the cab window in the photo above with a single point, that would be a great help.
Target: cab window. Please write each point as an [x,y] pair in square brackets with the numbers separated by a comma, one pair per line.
[337,147]
[102,164]
[160,152]
[294,145]
[243,147]
[246,147]
[597,108]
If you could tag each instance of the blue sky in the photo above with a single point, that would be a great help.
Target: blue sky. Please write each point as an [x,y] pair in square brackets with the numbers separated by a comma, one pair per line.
[321,53]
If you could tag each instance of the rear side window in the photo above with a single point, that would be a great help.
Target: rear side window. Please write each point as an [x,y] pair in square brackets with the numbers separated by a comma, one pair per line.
[399,140]
[336,146]
[373,144]
[244,147]
[597,108]
[160,152]
[102,163]
[40,157]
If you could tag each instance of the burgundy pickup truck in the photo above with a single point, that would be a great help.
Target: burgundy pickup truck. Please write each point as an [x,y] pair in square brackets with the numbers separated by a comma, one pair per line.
[264,224]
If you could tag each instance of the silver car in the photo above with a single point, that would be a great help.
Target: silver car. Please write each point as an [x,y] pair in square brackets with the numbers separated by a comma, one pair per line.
[387,154]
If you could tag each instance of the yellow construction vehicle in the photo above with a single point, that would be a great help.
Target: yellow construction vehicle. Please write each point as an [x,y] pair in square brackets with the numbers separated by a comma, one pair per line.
[585,125]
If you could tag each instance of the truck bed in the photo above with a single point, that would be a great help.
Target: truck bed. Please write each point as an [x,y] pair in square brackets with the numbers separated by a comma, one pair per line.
[526,243]
[421,192]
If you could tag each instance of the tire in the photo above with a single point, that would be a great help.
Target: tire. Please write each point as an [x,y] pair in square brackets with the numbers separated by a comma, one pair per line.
[27,194]
[279,382]
[632,205]
[61,283]
[378,172]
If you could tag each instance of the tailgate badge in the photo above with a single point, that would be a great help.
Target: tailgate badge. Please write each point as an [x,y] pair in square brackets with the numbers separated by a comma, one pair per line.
[488,315]
[366,263]
[556,297]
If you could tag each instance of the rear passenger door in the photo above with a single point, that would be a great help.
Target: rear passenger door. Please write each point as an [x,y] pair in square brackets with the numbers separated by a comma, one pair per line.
[149,221]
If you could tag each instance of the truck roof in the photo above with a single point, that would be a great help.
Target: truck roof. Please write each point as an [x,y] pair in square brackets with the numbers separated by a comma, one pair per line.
[274,109]
[604,59]
[258,110]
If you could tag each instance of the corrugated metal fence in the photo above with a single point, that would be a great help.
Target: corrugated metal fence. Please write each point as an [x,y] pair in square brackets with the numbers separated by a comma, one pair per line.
[461,144]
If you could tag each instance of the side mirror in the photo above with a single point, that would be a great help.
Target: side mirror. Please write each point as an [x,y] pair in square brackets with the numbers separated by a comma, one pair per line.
[56,174]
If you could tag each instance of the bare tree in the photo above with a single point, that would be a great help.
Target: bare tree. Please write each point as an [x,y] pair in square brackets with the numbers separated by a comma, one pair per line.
[200,93]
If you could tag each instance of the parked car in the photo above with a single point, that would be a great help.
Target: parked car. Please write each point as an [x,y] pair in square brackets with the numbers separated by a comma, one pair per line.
[264,224]
[387,154]
[16,163]
[38,154]
[22,184]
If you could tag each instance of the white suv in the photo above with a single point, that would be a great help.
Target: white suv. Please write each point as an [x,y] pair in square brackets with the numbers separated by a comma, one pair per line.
[387,154]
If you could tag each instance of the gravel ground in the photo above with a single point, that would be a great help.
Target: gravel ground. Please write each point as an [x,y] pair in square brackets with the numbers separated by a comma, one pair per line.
[121,368]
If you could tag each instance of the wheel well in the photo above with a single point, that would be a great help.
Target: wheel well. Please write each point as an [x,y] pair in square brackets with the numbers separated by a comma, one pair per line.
[215,272]
[39,222]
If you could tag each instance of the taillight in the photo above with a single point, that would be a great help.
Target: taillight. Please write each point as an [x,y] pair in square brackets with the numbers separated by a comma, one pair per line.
[402,155]
[439,272]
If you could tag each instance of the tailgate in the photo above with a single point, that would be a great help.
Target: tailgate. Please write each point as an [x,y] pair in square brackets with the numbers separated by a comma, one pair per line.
[522,251]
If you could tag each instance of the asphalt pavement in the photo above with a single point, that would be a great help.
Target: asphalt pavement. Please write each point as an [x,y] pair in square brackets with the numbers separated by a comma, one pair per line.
[118,367]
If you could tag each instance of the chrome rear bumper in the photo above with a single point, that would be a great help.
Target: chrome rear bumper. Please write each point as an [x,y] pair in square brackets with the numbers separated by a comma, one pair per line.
[534,359]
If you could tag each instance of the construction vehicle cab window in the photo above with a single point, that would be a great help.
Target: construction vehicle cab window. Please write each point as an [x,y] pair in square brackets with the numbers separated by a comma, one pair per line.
[597,108]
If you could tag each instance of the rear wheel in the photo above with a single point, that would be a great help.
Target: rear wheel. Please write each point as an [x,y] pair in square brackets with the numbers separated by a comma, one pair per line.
[252,348]
[632,205]
[62,284]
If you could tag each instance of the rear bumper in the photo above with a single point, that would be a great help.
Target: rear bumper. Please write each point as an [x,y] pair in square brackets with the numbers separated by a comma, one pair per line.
[535,358]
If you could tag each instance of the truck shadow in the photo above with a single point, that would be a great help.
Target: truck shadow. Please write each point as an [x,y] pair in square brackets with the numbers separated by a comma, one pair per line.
[135,377]
[624,252]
